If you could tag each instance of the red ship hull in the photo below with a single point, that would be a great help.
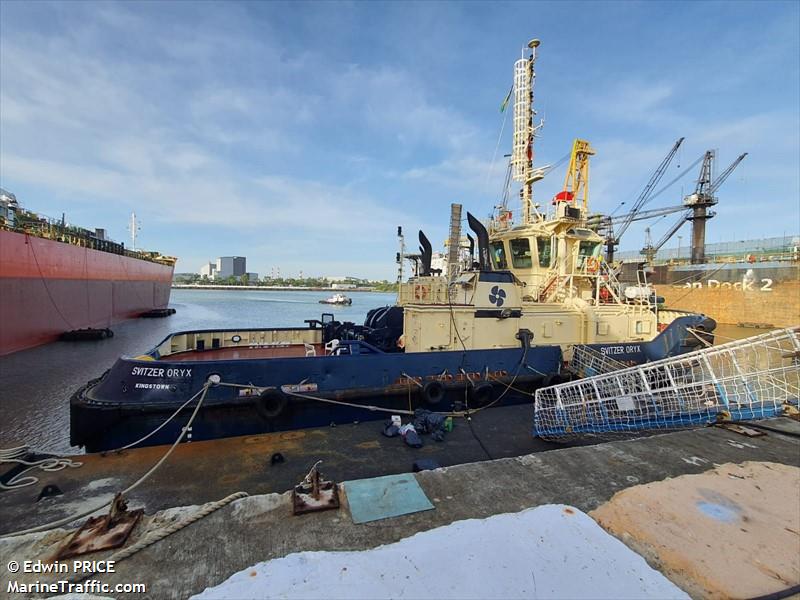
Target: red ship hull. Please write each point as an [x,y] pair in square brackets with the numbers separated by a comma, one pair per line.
[49,287]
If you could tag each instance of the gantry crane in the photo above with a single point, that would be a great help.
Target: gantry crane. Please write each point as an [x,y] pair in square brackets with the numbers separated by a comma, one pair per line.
[613,237]
[698,204]
[702,199]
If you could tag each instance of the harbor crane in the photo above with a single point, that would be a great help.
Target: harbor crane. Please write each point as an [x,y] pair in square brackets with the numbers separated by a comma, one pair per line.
[649,251]
[600,222]
[613,236]
[698,204]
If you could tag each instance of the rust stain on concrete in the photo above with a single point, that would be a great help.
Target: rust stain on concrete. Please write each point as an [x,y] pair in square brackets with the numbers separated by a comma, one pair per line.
[730,532]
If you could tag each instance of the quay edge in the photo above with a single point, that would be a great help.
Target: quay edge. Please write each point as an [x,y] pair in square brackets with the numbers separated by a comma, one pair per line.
[583,477]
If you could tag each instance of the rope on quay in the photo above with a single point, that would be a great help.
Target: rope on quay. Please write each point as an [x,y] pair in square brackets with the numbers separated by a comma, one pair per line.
[16,455]
[133,486]
[156,535]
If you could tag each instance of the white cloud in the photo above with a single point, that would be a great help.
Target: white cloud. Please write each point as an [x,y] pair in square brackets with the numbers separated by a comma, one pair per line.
[209,120]
[396,104]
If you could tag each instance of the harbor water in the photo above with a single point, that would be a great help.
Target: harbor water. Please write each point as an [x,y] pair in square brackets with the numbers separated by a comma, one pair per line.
[37,383]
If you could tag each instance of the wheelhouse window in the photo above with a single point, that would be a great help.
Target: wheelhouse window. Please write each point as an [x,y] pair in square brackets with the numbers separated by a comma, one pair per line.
[521,253]
[586,249]
[544,246]
[498,255]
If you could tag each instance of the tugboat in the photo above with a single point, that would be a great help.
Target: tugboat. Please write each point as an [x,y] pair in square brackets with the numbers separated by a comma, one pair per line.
[502,320]
[337,299]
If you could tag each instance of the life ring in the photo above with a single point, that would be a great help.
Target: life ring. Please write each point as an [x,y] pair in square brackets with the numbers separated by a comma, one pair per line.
[592,264]
[420,292]
[271,403]
[481,393]
[433,392]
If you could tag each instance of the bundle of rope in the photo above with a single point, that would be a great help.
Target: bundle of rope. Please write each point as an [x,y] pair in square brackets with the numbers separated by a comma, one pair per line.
[18,456]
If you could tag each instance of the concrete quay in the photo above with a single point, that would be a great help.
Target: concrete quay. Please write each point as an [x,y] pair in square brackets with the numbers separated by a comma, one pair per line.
[589,478]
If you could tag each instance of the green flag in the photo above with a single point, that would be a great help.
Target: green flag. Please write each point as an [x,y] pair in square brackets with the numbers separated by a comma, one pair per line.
[505,102]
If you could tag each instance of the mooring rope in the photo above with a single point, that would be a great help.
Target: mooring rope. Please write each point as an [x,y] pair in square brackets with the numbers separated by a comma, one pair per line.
[53,464]
[133,486]
[16,455]
[156,535]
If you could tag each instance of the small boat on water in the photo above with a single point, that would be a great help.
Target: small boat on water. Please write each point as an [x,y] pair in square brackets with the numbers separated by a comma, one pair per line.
[503,319]
[340,299]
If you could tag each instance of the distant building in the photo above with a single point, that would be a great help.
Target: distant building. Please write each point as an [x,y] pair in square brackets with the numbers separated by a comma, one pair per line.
[208,270]
[355,281]
[231,266]
[227,266]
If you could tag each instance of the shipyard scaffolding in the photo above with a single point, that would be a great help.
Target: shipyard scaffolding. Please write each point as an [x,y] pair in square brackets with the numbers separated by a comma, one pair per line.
[754,378]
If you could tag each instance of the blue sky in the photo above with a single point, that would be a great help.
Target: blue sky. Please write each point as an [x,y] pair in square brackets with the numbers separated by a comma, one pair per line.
[300,135]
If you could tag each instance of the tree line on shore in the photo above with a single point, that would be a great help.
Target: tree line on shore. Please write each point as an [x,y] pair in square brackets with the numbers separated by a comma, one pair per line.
[196,279]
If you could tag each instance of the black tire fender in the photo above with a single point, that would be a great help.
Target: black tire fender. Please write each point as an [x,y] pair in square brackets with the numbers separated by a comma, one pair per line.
[552,379]
[568,375]
[271,403]
[481,393]
[433,392]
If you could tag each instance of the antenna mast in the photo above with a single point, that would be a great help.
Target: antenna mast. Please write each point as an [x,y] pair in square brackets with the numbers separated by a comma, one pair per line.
[524,129]
[134,227]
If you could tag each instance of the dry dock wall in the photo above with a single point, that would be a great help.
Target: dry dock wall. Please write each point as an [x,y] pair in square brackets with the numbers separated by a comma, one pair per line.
[777,304]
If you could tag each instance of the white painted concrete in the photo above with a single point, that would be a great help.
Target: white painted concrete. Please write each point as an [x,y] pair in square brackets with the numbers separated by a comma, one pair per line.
[552,551]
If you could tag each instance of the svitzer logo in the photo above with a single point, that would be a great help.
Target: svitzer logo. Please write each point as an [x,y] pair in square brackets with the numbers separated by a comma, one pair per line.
[497,295]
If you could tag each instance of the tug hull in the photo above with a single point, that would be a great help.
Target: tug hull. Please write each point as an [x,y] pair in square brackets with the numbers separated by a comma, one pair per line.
[281,391]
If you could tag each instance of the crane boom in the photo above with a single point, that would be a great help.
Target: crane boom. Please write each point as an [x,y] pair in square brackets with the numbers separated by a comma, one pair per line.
[603,221]
[721,178]
[650,249]
[672,231]
[613,239]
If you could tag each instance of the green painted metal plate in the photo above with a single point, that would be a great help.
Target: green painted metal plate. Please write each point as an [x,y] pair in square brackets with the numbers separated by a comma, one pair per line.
[385,497]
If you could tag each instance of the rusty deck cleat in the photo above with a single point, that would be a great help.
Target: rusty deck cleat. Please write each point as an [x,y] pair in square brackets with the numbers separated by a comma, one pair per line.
[314,493]
[103,533]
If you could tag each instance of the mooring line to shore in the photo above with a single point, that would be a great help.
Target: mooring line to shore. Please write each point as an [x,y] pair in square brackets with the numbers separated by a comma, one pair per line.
[130,488]
[156,535]
[157,429]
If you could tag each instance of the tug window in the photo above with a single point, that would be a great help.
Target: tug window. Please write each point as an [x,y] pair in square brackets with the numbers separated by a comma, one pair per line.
[521,253]
[499,255]
[544,246]
[586,249]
